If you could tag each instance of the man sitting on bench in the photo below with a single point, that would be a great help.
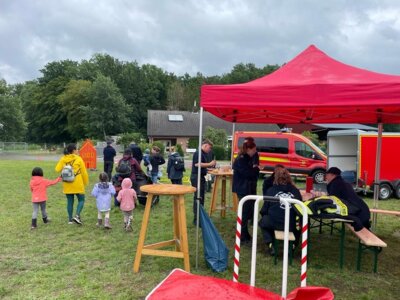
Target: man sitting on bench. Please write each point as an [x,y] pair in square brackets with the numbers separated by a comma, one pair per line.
[358,209]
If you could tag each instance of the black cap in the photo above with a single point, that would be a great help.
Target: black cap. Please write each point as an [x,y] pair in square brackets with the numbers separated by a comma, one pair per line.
[334,171]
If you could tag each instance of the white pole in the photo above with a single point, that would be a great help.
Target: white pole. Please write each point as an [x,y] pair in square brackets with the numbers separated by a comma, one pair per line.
[232,149]
[254,243]
[198,187]
[377,173]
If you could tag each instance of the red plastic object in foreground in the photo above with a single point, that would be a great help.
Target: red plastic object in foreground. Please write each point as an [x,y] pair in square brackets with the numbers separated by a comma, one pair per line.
[311,293]
[180,285]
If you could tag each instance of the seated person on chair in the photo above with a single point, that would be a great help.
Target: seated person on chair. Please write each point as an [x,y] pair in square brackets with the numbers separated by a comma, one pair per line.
[358,209]
[273,213]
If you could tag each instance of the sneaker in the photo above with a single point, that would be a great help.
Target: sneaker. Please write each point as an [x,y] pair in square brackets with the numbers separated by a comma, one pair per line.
[271,249]
[70,222]
[77,220]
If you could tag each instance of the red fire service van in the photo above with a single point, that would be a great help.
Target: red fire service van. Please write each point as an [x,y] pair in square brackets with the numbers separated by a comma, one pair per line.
[296,152]
[354,152]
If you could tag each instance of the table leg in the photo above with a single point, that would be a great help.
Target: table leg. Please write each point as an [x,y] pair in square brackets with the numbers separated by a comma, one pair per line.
[183,232]
[342,235]
[214,195]
[177,225]
[142,234]
[223,197]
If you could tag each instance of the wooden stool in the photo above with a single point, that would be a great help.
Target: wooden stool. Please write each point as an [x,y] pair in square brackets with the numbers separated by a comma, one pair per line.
[180,240]
[222,176]
[279,236]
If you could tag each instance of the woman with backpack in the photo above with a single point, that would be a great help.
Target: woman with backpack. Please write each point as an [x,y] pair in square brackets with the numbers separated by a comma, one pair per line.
[175,167]
[127,167]
[75,178]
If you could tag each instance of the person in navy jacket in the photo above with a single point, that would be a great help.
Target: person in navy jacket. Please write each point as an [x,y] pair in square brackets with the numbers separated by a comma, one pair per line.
[273,213]
[245,173]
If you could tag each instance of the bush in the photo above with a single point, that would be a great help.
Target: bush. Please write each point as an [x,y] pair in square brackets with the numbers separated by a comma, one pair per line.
[219,152]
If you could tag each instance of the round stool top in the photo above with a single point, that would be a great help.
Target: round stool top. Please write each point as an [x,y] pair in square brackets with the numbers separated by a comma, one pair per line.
[167,189]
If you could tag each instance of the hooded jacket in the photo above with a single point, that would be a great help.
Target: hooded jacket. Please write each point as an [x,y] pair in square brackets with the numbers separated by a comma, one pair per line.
[127,195]
[38,187]
[103,192]
[81,175]
[171,171]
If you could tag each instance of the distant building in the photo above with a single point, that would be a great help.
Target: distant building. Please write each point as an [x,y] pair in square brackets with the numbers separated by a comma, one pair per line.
[177,127]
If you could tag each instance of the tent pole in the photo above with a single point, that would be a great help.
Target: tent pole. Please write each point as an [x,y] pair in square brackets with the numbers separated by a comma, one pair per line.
[198,188]
[233,134]
[377,173]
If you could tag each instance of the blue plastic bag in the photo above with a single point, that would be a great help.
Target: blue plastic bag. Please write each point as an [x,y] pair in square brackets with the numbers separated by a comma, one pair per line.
[215,250]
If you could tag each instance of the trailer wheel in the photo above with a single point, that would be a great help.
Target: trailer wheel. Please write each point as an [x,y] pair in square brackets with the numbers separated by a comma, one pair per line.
[385,191]
[318,176]
[397,191]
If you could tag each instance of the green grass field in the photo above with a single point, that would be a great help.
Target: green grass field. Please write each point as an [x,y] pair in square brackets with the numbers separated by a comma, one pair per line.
[61,261]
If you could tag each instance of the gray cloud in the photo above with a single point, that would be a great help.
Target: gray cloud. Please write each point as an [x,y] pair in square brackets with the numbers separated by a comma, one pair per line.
[196,36]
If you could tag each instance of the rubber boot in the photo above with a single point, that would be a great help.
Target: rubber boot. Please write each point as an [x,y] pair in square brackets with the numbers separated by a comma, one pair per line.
[107,223]
[34,224]
[99,222]
[46,220]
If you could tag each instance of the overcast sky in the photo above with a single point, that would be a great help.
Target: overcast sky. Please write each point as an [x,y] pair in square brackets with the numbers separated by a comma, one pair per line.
[189,36]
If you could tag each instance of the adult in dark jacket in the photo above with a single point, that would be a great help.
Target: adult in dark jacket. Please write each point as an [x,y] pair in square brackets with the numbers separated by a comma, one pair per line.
[155,160]
[136,152]
[358,209]
[174,174]
[206,147]
[245,172]
[108,156]
[273,214]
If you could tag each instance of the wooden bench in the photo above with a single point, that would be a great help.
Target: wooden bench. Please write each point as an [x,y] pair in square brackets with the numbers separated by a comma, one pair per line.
[385,212]
[280,236]
[367,240]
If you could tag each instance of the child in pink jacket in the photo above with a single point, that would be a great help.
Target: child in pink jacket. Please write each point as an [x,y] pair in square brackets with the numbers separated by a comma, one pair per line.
[38,187]
[127,198]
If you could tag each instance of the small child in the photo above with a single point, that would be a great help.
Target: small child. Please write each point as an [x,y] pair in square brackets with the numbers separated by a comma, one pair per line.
[103,191]
[127,198]
[38,187]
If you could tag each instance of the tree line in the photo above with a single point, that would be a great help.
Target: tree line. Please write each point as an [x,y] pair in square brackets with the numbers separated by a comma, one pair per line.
[99,97]
[103,96]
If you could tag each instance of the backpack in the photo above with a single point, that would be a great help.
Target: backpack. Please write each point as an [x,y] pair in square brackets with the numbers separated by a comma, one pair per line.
[124,167]
[67,173]
[179,164]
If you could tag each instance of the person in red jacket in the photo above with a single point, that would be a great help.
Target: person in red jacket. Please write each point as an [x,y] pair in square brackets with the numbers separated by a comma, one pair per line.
[38,187]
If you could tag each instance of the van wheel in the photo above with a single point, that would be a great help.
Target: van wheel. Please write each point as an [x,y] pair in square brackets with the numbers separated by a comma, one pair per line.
[318,176]
[385,191]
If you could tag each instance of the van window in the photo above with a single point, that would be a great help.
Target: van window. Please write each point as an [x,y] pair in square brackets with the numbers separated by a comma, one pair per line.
[270,145]
[304,150]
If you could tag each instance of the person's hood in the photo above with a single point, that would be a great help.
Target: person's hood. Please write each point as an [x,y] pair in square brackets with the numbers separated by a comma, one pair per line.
[126,183]
[103,187]
[68,158]
[36,181]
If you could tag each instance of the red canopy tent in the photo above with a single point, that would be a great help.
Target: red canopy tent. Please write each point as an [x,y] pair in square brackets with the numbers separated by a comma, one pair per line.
[311,88]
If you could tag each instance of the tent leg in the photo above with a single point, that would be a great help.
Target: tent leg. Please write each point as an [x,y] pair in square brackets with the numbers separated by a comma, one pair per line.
[377,174]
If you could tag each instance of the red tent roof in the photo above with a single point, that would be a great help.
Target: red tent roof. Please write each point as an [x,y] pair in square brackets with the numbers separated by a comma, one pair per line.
[311,88]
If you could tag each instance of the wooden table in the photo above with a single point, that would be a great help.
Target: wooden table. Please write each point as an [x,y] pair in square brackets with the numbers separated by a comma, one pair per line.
[221,176]
[180,240]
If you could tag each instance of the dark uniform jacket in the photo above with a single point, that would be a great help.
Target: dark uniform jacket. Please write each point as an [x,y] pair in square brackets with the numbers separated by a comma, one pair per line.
[356,206]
